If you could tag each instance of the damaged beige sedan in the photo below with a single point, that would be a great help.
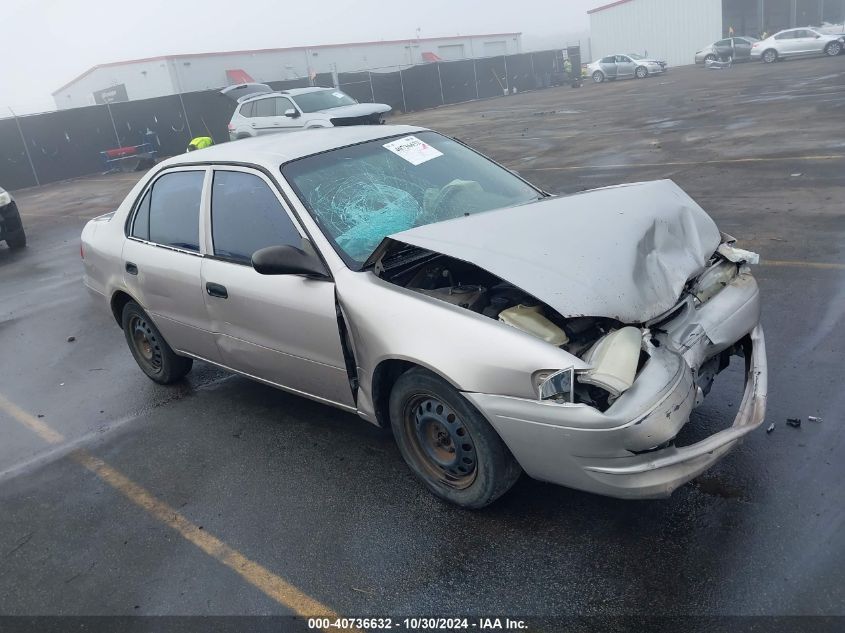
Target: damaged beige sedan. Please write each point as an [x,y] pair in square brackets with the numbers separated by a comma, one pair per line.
[396,273]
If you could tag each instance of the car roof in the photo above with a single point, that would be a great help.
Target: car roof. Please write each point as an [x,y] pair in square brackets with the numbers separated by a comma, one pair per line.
[272,150]
[291,92]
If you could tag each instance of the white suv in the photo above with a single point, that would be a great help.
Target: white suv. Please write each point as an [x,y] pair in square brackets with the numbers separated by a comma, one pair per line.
[797,43]
[262,111]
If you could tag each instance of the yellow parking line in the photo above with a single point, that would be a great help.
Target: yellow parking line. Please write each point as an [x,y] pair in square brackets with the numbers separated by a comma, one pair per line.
[260,577]
[687,163]
[35,425]
[273,586]
[799,264]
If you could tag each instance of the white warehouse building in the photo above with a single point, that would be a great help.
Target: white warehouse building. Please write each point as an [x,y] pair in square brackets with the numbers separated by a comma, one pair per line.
[673,30]
[173,74]
[669,30]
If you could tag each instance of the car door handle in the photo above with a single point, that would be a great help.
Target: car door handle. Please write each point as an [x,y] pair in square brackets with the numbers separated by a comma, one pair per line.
[131,268]
[216,290]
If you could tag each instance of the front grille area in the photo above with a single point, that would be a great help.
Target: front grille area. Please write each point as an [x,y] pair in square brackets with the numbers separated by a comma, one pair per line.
[368,119]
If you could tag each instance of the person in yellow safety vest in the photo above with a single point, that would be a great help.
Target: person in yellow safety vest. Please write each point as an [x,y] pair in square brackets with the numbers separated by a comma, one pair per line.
[200,142]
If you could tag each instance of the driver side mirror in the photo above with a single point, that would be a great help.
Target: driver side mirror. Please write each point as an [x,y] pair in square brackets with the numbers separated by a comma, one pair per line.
[288,260]
[291,113]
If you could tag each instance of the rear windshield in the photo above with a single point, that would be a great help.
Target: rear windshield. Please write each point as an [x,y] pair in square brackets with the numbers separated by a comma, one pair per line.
[362,193]
[323,100]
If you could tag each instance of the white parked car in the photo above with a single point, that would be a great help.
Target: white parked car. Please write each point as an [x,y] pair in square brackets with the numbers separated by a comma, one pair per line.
[797,43]
[261,110]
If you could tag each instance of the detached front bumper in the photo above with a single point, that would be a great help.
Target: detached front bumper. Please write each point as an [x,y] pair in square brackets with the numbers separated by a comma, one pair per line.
[613,452]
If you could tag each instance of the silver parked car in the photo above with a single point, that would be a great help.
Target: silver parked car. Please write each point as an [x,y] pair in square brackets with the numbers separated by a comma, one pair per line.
[804,42]
[398,274]
[737,49]
[261,110]
[624,67]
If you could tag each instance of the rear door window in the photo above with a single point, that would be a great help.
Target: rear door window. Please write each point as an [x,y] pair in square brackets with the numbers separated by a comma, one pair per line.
[609,60]
[246,216]
[265,107]
[788,35]
[174,209]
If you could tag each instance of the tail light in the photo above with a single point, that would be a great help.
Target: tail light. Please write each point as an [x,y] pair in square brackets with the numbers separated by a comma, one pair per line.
[82,250]
[755,45]
[231,127]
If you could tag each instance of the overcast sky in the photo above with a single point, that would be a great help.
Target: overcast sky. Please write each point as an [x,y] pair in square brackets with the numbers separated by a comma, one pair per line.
[46,43]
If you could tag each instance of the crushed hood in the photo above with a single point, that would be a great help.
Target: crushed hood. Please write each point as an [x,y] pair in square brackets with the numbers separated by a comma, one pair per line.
[623,252]
[357,109]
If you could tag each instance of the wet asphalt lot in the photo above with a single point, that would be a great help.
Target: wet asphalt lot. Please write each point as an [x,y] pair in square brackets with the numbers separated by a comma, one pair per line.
[323,502]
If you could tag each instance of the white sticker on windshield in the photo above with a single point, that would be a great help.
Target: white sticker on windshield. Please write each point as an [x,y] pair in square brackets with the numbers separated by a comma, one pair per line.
[413,150]
[339,95]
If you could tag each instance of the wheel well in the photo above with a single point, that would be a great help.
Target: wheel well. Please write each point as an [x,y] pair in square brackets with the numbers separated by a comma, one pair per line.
[118,301]
[384,377]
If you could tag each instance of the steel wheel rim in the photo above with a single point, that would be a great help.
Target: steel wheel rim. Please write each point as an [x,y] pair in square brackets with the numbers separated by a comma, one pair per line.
[145,343]
[440,442]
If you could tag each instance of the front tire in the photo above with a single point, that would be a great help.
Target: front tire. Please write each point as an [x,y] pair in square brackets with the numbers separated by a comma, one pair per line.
[833,49]
[447,443]
[598,77]
[709,58]
[152,353]
[641,72]
[17,241]
[770,56]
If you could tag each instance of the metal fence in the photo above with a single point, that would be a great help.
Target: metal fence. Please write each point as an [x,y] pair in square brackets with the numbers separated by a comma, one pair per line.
[43,148]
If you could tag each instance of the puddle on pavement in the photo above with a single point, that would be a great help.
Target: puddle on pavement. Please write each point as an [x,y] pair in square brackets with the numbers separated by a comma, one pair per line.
[715,487]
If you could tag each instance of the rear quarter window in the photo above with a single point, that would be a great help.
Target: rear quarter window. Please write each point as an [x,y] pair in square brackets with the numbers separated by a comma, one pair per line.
[247,109]
[174,209]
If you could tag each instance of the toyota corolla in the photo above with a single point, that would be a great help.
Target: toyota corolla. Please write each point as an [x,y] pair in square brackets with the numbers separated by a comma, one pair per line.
[396,273]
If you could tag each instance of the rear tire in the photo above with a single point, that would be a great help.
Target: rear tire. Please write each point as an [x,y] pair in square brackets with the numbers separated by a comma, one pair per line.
[447,443]
[598,77]
[833,49]
[770,56]
[152,353]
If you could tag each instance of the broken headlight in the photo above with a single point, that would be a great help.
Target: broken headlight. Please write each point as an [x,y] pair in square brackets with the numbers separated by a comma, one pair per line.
[555,385]
[713,280]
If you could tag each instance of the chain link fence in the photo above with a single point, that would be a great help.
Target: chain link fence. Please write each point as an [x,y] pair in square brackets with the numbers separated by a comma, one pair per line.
[42,148]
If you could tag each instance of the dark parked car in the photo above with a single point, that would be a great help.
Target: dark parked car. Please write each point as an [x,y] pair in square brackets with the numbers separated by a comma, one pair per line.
[736,48]
[11,228]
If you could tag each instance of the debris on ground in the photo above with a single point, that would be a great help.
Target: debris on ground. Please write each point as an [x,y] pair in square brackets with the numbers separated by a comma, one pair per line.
[793,422]
[771,428]
[71,339]
[796,175]
[813,418]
